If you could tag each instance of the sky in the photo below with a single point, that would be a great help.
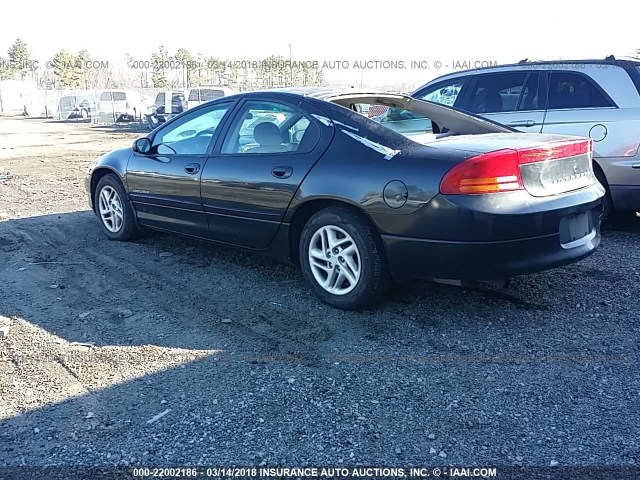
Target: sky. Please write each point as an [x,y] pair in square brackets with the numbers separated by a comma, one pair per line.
[331,31]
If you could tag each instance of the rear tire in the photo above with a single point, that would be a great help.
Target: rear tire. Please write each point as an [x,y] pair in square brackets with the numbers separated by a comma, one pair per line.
[342,259]
[114,210]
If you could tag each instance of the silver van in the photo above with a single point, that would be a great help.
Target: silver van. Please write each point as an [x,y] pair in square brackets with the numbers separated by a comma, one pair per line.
[591,98]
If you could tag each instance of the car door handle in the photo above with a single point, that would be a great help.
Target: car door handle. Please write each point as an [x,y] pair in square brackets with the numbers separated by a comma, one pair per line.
[282,172]
[192,168]
[522,123]
[635,165]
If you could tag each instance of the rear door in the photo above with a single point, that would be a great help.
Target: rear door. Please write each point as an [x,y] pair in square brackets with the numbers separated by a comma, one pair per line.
[512,98]
[578,106]
[247,186]
[164,184]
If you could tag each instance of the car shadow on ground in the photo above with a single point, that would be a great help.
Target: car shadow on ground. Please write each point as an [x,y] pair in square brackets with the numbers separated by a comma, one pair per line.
[69,262]
[124,127]
[105,336]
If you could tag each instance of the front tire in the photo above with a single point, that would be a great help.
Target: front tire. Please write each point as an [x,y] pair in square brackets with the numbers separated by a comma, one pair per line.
[342,259]
[114,210]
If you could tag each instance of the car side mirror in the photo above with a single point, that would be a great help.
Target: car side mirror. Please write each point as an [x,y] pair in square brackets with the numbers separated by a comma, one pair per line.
[141,145]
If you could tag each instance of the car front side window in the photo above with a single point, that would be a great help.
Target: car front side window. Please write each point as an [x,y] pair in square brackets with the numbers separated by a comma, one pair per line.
[445,93]
[497,92]
[192,134]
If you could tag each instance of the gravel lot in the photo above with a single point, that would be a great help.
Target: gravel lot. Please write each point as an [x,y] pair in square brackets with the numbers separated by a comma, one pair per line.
[250,369]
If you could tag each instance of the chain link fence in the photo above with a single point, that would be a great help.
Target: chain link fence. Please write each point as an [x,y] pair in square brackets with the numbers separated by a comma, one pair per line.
[97,106]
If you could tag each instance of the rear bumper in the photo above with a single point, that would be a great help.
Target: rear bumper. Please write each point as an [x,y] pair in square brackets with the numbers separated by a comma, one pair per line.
[412,258]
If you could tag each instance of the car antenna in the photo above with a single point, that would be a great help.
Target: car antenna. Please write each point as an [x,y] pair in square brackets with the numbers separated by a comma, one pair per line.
[610,57]
[523,61]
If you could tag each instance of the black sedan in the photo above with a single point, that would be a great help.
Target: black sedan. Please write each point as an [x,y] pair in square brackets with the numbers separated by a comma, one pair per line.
[358,188]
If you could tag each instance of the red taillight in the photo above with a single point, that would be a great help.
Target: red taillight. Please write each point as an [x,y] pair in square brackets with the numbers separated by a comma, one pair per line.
[487,173]
[499,171]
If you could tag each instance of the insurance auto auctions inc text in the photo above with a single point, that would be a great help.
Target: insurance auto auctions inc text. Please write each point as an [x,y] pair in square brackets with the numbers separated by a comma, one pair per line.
[418,64]
[377,472]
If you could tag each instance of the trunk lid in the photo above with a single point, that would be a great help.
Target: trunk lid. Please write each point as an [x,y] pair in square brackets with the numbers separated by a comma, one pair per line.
[548,164]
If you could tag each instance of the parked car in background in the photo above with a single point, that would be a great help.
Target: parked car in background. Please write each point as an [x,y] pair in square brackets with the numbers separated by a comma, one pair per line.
[353,201]
[76,107]
[599,99]
[175,98]
[120,105]
[166,105]
[198,95]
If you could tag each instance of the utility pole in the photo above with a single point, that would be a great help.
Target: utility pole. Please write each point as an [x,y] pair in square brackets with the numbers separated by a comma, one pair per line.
[290,67]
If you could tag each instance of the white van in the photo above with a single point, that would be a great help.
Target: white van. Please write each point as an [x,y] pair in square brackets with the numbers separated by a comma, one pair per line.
[200,95]
[119,105]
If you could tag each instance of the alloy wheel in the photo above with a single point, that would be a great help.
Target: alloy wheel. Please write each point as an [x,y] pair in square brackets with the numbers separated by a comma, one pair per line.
[334,260]
[110,207]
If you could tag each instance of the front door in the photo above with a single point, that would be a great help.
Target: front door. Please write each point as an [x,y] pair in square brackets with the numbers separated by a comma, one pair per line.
[164,184]
[247,186]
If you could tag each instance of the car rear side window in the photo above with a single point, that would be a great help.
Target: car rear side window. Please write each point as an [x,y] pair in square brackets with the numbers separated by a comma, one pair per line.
[569,90]
[501,92]
[119,96]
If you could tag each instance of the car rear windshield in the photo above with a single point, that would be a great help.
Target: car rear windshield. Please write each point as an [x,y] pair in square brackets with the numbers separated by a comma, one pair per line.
[399,120]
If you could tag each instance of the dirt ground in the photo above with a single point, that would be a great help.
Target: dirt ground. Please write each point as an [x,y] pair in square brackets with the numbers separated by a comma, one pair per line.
[167,351]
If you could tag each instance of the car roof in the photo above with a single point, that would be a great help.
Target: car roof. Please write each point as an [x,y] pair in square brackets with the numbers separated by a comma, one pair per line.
[329,93]
[334,96]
